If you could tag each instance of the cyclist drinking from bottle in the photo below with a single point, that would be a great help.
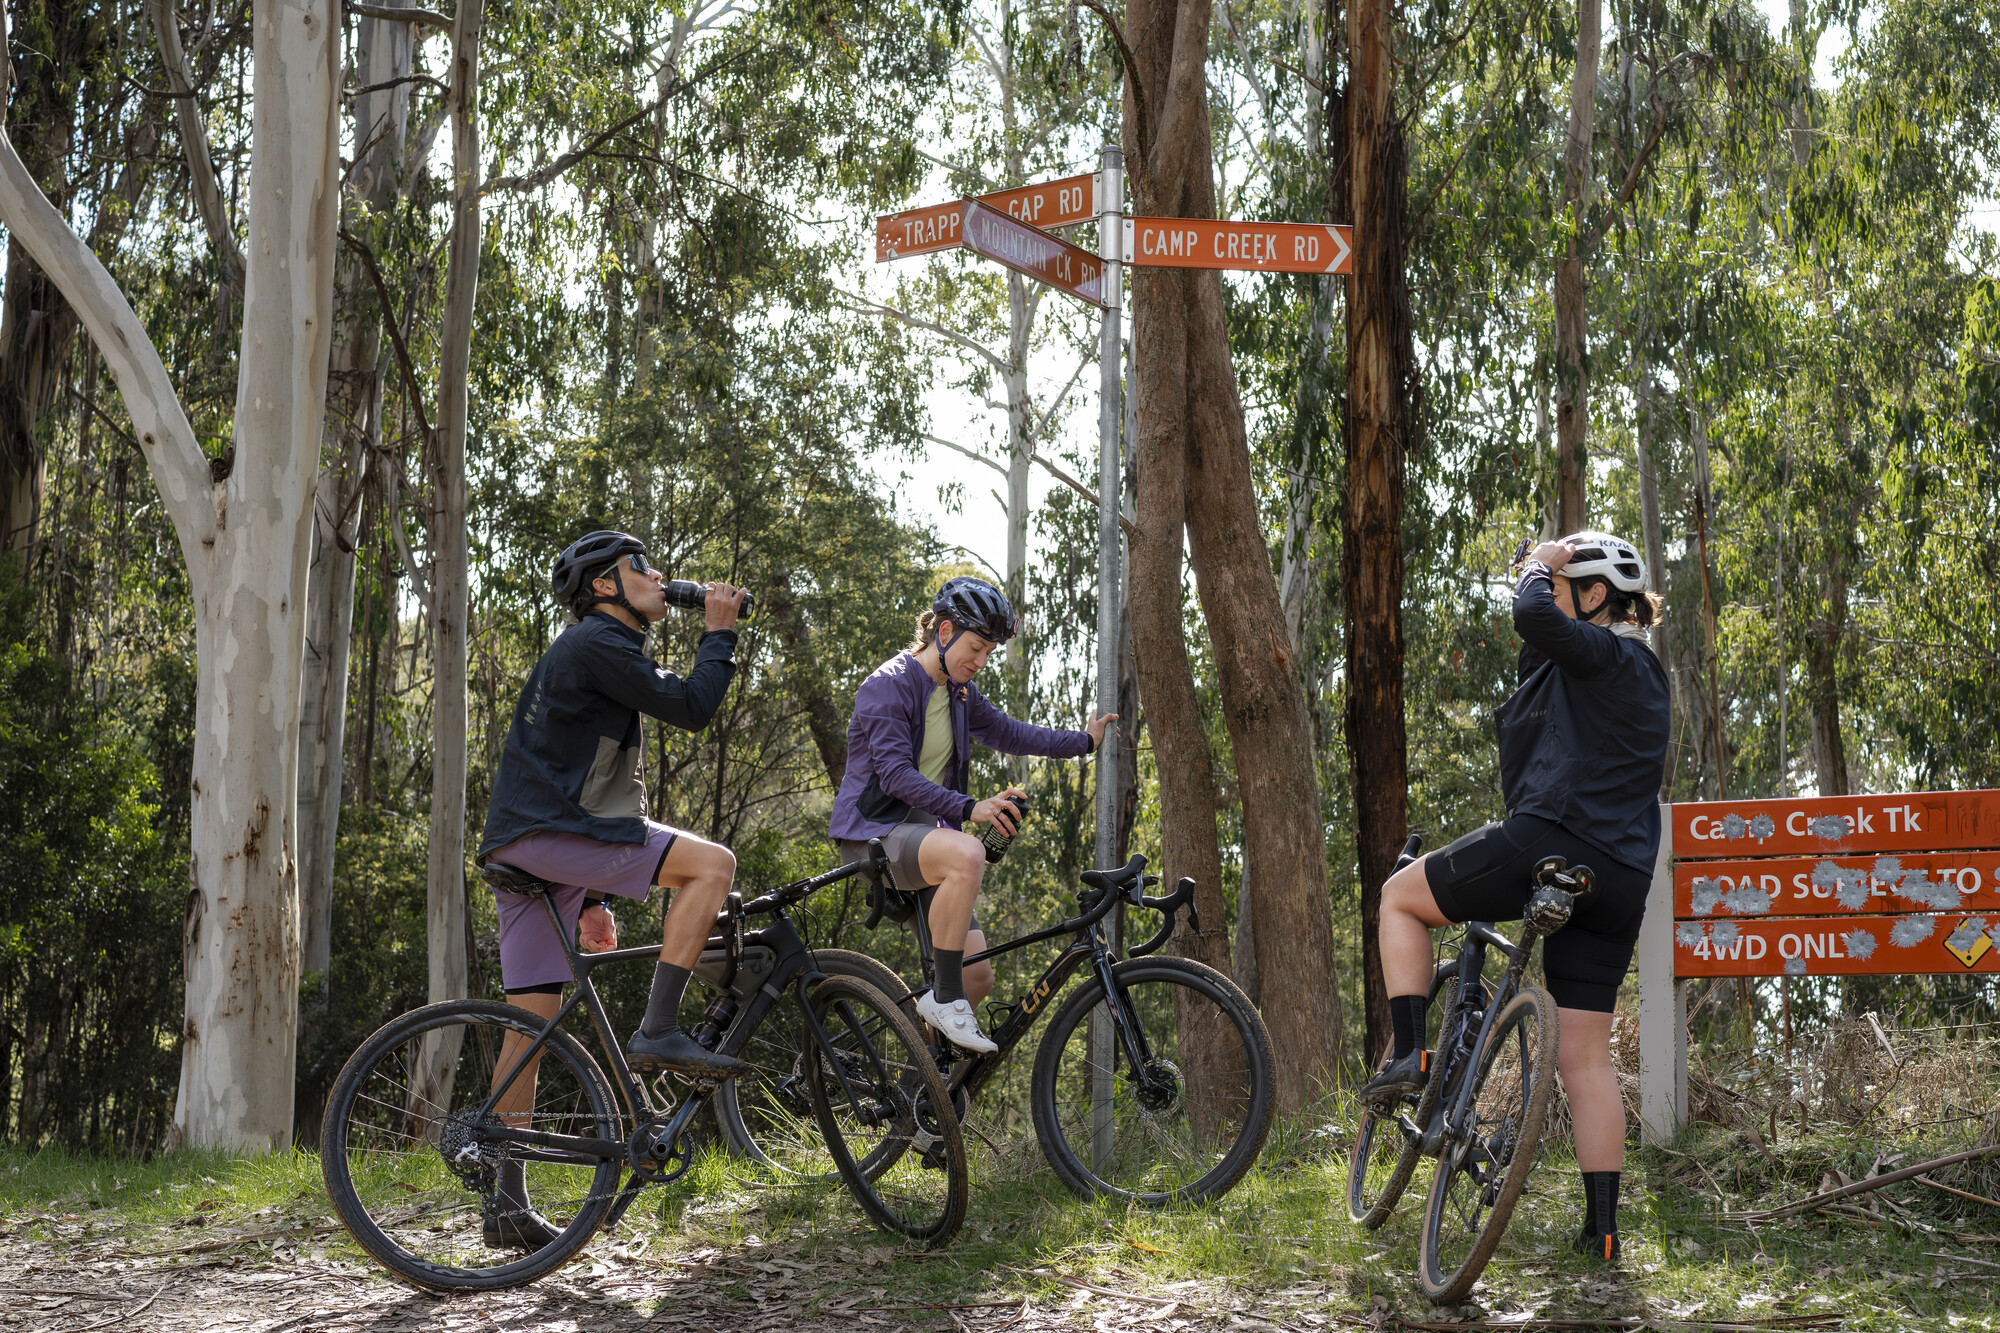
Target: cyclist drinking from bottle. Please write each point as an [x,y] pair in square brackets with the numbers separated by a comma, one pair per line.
[909,761]
[1583,743]
[569,806]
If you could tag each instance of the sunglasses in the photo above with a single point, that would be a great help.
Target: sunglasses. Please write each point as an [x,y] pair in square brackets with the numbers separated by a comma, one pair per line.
[636,562]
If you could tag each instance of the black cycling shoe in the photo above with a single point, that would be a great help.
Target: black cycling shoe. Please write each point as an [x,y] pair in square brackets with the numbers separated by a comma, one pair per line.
[1603,1247]
[682,1054]
[1399,1078]
[510,1226]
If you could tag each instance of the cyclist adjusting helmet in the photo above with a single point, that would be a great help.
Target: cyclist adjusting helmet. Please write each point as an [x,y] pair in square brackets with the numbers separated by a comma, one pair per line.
[569,807]
[909,759]
[1583,744]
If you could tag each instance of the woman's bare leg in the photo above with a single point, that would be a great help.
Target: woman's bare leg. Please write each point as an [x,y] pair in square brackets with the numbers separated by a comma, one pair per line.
[956,863]
[1597,1112]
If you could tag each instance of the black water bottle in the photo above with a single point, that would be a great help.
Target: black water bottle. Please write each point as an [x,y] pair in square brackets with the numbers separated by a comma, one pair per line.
[714,1022]
[693,597]
[996,842]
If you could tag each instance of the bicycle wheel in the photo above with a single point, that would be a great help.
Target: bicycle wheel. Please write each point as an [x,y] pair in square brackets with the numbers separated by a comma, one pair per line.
[1189,1119]
[1480,1176]
[1385,1150]
[411,1171]
[888,1124]
[767,1114]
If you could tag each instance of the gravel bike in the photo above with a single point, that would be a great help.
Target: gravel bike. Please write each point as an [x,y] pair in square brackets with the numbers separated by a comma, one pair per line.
[1481,1112]
[430,1108]
[1177,1105]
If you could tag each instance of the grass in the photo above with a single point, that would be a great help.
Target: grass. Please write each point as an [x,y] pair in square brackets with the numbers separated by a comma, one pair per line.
[1278,1247]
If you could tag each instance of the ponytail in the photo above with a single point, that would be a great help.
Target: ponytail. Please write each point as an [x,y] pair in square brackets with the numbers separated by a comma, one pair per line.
[1643,609]
[925,633]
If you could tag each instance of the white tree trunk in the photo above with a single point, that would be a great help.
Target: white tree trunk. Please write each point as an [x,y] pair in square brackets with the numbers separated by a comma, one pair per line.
[381,119]
[244,536]
[446,896]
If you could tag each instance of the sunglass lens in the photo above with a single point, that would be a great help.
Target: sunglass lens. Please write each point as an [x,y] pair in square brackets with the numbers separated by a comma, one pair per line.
[639,565]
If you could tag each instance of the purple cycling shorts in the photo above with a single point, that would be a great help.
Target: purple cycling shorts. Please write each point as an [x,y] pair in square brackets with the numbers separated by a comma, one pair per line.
[530,953]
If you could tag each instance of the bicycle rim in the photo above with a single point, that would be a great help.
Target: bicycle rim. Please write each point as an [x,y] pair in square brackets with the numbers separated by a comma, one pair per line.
[767,1115]
[1385,1152]
[410,1170]
[1188,1120]
[888,1122]
[1480,1177]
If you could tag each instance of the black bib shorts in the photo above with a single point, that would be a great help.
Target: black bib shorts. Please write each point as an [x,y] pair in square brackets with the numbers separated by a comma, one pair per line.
[1488,874]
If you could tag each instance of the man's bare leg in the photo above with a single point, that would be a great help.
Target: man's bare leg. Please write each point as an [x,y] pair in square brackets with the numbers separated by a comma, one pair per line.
[700,873]
[514,1223]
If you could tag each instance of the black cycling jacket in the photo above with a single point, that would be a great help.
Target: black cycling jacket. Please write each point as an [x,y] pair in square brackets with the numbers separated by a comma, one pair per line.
[571,763]
[1583,739]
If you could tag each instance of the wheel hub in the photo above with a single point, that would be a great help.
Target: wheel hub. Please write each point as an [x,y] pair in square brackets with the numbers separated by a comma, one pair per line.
[1158,1088]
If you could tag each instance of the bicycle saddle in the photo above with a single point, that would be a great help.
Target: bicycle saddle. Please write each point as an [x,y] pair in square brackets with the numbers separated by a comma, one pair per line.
[513,879]
[1555,872]
[1111,879]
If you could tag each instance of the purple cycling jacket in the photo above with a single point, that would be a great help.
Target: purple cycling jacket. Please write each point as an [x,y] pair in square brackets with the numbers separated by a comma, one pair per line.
[882,787]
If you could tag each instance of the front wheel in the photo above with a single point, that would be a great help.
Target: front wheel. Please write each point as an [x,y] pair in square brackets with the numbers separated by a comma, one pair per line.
[1385,1150]
[1481,1172]
[1184,1119]
[884,1112]
[414,1171]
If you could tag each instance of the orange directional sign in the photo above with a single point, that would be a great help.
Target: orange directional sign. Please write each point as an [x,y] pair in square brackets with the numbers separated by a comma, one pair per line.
[1269,247]
[1838,825]
[1033,252]
[1840,946]
[1818,886]
[1050,204]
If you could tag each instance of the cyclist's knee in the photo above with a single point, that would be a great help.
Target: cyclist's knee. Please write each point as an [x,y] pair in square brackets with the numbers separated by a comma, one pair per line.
[962,856]
[698,863]
[1409,892]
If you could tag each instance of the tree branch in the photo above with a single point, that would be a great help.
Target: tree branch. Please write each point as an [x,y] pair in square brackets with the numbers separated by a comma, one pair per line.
[929,326]
[394,326]
[959,448]
[428,18]
[194,145]
[168,441]
[1131,61]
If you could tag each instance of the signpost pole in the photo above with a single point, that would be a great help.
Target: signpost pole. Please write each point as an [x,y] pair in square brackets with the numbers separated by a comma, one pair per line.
[1111,246]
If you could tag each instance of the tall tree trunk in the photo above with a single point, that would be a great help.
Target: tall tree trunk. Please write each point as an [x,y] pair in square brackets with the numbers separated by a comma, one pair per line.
[37,325]
[823,720]
[449,581]
[1823,638]
[244,531]
[1572,360]
[1716,756]
[1191,434]
[1646,435]
[1376,435]
[354,426]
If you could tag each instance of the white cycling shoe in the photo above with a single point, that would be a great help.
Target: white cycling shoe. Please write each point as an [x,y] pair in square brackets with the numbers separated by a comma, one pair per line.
[956,1021]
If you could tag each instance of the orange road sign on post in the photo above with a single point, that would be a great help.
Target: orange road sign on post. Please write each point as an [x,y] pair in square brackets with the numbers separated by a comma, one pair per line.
[1034,252]
[1821,886]
[1934,821]
[1267,247]
[919,231]
[1837,946]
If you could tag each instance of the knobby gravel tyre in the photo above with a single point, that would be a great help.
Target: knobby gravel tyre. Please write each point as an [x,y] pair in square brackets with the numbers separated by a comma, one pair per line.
[766,1116]
[1193,1121]
[904,1157]
[386,1171]
[1478,1181]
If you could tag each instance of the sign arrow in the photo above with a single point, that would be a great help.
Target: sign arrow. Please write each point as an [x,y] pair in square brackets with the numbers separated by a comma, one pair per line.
[1262,247]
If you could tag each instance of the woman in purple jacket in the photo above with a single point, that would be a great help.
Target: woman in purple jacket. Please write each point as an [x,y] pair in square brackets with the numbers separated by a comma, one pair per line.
[909,758]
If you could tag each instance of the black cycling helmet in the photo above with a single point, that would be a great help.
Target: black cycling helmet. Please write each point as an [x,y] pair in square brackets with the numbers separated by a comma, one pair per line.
[588,557]
[976,605]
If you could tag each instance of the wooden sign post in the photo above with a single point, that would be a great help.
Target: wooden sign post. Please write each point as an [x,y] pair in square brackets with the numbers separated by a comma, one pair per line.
[1901,885]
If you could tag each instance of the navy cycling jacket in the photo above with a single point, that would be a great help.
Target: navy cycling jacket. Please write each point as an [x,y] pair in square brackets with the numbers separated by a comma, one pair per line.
[571,763]
[1583,739]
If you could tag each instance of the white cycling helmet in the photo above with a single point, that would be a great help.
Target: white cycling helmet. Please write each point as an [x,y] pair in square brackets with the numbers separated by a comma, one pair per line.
[1601,555]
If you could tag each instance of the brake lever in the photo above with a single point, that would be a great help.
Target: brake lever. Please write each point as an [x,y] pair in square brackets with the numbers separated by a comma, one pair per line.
[734,905]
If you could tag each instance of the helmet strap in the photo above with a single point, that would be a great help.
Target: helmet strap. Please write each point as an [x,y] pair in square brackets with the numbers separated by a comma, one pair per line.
[618,581]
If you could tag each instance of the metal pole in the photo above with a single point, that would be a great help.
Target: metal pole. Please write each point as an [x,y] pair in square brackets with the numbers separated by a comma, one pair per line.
[1110,247]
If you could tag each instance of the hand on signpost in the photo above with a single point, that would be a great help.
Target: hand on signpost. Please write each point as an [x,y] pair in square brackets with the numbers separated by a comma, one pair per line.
[1096,729]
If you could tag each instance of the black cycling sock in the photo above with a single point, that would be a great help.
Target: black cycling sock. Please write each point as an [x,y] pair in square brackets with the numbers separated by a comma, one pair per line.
[1406,1016]
[513,1185]
[1600,1203]
[663,1008]
[950,975]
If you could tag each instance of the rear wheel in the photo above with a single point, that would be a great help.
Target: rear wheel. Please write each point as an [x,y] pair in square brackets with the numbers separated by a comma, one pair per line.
[882,1108]
[1481,1174]
[412,1168]
[1183,1123]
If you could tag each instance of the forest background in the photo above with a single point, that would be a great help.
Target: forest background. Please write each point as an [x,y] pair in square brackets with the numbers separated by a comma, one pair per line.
[1779,368]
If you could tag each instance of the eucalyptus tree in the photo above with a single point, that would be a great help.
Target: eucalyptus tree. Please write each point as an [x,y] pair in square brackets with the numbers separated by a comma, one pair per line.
[244,524]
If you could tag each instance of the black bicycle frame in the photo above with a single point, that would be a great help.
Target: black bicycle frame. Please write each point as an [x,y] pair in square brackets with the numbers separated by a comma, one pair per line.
[794,963]
[1087,944]
[1480,935]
